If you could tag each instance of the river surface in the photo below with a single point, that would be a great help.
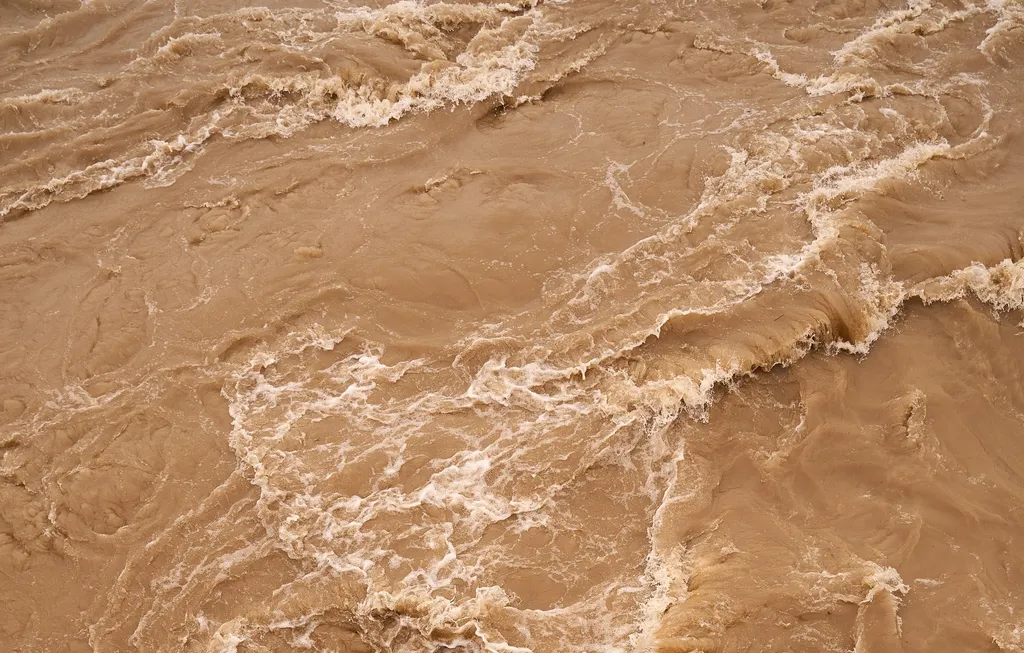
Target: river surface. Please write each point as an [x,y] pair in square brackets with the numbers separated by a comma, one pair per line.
[533,326]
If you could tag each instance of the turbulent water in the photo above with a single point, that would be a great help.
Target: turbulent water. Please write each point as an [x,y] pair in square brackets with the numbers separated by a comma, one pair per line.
[526,326]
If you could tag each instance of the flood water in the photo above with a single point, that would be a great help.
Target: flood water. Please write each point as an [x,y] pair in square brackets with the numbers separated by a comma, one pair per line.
[580,326]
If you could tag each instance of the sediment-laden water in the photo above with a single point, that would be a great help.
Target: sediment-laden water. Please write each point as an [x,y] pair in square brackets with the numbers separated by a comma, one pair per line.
[550,327]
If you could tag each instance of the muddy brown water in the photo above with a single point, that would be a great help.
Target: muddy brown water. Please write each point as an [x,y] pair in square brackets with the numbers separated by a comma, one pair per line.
[548,327]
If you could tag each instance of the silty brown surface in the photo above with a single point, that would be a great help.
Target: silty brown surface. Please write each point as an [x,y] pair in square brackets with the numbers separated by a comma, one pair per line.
[526,326]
